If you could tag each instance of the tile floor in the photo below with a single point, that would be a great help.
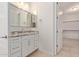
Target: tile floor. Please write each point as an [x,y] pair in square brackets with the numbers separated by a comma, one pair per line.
[39,54]
[70,49]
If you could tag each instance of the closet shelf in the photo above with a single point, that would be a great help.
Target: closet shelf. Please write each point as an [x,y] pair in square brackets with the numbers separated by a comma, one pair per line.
[71,30]
[71,21]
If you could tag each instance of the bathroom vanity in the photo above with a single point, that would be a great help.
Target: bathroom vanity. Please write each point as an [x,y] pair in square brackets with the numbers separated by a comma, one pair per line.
[17,39]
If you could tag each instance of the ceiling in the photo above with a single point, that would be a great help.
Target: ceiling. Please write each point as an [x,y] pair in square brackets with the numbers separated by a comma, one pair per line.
[67,7]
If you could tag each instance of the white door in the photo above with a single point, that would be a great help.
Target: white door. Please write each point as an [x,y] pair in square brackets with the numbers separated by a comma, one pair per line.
[3,30]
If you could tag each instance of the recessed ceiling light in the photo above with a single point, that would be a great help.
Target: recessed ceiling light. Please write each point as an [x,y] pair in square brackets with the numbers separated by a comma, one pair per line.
[74,9]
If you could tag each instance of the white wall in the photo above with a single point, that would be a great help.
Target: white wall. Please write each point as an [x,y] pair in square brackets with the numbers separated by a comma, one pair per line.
[45,26]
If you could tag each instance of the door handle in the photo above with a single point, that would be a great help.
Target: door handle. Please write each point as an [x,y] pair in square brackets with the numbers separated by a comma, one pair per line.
[4,36]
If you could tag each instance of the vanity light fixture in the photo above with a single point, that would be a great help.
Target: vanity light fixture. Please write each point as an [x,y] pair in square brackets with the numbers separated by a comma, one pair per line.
[75,9]
[22,3]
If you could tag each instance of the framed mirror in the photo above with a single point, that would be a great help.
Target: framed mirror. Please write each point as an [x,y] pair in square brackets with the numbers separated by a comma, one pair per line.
[29,20]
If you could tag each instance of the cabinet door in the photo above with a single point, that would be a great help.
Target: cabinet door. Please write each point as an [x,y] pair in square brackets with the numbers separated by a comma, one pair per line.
[23,18]
[24,46]
[15,45]
[31,43]
[13,15]
[17,54]
[36,40]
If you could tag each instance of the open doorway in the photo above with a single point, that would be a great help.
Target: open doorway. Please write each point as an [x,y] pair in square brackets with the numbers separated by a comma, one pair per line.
[67,29]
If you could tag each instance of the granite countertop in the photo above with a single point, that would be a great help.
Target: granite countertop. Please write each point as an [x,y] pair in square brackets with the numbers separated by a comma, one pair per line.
[22,33]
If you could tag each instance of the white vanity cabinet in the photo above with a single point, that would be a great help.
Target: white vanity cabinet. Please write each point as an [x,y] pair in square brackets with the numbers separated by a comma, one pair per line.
[11,43]
[28,44]
[31,42]
[36,40]
[15,46]
[25,47]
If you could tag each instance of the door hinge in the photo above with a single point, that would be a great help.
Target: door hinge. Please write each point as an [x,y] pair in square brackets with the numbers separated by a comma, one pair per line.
[57,3]
[57,45]
[56,17]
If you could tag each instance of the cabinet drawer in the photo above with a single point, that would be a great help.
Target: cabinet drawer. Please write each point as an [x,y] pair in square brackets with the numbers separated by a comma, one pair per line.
[32,36]
[25,42]
[16,54]
[31,44]
[24,45]
[36,45]
[15,45]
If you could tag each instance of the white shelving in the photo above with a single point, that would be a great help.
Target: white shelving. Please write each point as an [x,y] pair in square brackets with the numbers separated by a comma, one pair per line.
[70,21]
[70,25]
